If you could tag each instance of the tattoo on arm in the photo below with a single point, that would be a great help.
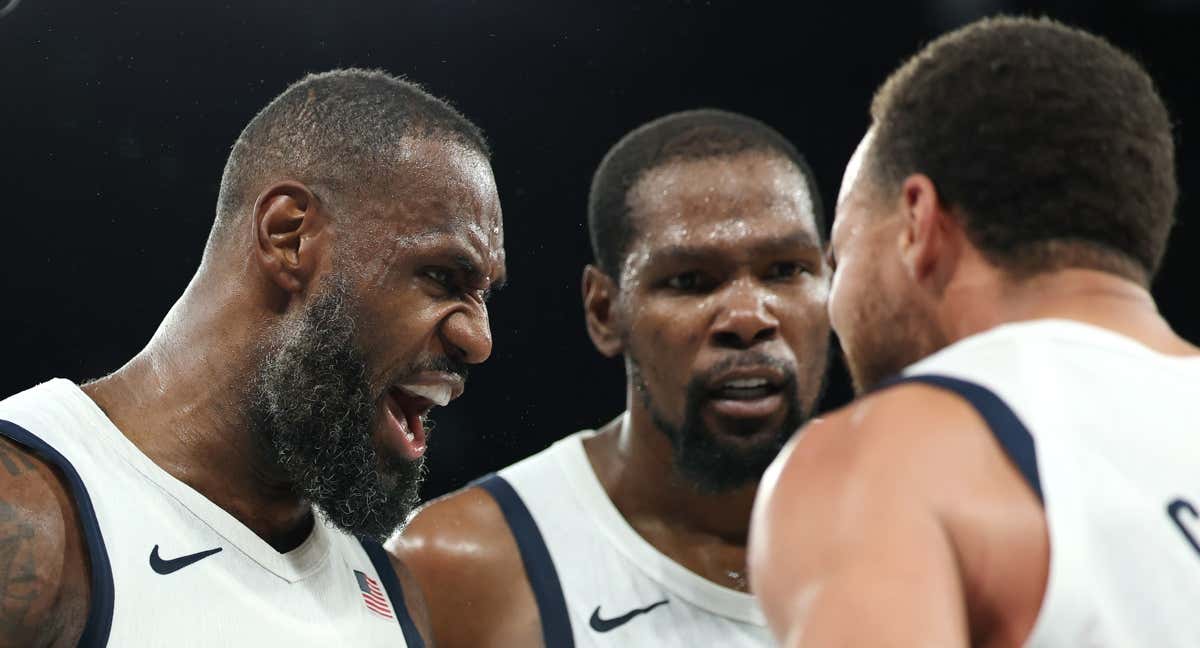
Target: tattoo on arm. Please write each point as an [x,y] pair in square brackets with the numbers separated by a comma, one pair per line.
[19,586]
[13,461]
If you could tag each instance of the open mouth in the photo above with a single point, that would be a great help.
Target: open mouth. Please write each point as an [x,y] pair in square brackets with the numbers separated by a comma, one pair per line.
[747,393]
[408,403]
[746,389]
[405,418]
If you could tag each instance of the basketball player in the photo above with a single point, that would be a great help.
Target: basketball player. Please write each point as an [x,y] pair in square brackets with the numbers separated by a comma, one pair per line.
[1031,479]
[226,487]
[710,282]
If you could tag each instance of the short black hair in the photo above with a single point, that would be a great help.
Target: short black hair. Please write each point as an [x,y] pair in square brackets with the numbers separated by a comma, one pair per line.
[687,135]
[1053,145]
[339,130]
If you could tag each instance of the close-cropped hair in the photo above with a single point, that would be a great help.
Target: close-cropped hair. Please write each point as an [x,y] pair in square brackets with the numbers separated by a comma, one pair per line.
[688,135]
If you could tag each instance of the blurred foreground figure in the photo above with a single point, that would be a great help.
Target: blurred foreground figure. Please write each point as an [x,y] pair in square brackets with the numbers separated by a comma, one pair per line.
[229,485]
[710,283]
[1031,480]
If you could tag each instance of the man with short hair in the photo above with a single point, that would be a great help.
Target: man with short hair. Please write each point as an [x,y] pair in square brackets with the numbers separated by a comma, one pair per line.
[230,484]
[710,282]
[1030,480]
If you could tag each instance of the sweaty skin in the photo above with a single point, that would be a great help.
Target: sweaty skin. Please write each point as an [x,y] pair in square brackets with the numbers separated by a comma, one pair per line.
[423,299]
[726,259]
[899,520]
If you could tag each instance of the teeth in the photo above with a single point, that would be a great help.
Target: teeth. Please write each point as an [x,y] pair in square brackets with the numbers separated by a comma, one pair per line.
[410,436]
[746,383]
[438,394]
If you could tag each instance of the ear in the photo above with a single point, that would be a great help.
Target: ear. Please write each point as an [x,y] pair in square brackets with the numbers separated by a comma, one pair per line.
[927,241]
[291,235]
[599,297]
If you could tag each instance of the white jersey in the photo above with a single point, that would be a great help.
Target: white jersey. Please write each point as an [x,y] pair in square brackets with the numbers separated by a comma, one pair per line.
[170,568]
[1107,433]
[597,582]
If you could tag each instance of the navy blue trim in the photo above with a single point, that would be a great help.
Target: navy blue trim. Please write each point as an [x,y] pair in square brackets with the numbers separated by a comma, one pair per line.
[539,567]
[1173,509]
[1012,434]
[391,585]
[100,606]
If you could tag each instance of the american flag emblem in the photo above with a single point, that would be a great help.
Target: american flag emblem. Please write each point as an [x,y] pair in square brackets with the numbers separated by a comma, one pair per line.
[373,596]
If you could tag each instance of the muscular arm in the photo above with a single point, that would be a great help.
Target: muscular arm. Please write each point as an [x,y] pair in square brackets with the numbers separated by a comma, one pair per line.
[462,553]
[849,545]
[43,598]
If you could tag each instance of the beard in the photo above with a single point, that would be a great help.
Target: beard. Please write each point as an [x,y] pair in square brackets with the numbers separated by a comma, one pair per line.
[890,333]
[700,455]
[313,412]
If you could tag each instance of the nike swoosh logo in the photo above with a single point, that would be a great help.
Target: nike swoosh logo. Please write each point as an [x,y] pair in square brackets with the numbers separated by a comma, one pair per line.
[173,565]
[604,625]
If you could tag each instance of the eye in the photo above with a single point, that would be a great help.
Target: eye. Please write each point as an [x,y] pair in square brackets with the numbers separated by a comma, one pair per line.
[784,270]
[441,276]
[685,282]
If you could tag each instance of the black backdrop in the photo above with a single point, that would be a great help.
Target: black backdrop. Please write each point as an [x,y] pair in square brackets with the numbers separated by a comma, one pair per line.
[116,116]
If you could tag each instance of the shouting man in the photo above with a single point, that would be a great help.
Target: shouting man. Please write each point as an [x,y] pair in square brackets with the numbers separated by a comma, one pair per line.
[229,485]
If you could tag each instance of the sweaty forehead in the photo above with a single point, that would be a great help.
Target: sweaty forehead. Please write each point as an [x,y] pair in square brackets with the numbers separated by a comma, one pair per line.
[443,194]
[724,195]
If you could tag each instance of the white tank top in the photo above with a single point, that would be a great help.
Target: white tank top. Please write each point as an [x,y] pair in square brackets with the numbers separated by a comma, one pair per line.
[1107,433]
[597,582]
[170,568]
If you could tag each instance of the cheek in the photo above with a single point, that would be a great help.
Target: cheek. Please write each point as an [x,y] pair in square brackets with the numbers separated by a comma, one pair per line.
[398,323]
[666,337]
[842,297]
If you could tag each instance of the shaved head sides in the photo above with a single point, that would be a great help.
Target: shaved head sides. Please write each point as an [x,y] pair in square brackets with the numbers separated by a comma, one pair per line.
[687,135]
[340,132]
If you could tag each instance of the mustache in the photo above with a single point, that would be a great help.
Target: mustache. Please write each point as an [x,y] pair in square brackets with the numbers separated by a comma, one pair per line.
[441,363]
[745,359]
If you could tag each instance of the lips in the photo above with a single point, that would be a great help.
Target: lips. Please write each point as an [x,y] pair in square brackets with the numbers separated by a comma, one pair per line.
[404,413]
[408,403]
[747,392]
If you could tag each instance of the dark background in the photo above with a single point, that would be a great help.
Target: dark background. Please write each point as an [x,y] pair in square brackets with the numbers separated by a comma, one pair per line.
[116,117]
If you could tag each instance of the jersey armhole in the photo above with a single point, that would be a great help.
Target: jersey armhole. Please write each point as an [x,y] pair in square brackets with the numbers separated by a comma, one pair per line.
[391,585]
[539,567]
[1006,427]
[100,605]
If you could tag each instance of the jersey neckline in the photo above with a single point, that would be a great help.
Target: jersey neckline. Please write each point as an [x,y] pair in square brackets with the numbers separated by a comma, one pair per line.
[292,566]
[681,581]
[1079,332]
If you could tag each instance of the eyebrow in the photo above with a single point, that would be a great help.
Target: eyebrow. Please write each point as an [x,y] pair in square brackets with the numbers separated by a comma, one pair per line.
[798,240]
[467,266]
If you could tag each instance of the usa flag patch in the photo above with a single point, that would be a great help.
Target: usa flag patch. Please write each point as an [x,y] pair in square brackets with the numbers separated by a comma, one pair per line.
[373,596]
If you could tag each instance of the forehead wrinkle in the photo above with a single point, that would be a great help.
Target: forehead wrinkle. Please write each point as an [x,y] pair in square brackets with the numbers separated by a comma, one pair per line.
[465,246]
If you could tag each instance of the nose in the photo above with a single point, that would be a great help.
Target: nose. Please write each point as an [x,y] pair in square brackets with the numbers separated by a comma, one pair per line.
[467,334]
[745,318]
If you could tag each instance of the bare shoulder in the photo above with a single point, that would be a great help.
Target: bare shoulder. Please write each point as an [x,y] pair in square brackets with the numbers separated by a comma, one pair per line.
[461,531]
[43,580]
[463,555]
[912,432]
[908,476]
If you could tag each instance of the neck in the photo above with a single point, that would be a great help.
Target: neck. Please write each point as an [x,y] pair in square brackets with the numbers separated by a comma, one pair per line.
[634,462]
[181,401]
[1098,298]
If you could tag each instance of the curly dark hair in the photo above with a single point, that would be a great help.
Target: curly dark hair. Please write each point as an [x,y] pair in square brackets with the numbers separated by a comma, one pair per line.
[1052,144]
